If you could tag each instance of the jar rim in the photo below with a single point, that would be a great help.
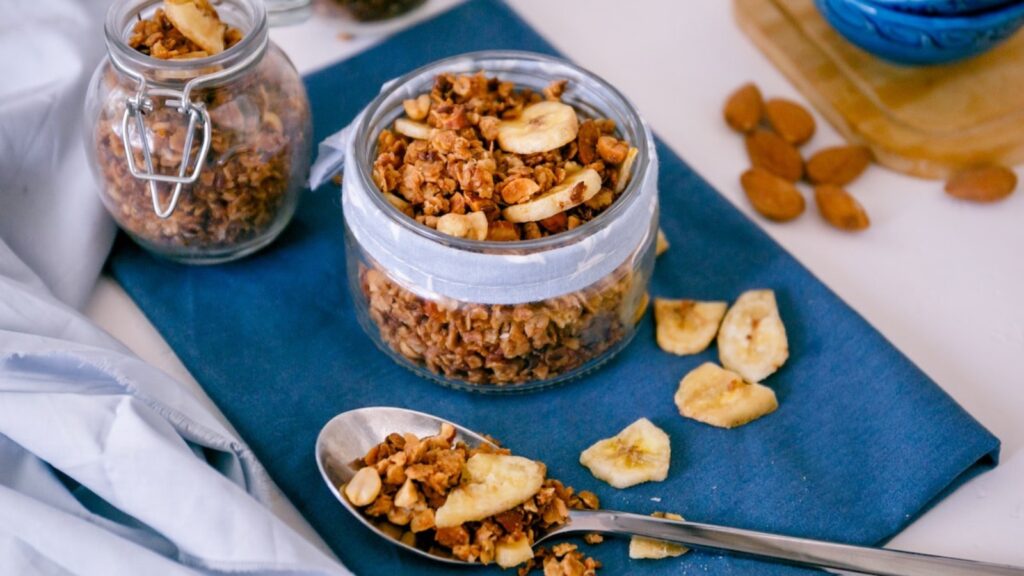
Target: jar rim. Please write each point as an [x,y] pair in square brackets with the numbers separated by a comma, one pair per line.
[601,221]
[121,12]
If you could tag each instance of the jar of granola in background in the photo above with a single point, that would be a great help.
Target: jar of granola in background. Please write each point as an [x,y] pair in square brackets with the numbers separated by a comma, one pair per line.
[377,10]
[200,156]
[491,316]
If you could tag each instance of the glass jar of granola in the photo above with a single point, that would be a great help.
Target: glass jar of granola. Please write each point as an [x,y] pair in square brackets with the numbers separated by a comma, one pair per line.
[197,127]
[501,216]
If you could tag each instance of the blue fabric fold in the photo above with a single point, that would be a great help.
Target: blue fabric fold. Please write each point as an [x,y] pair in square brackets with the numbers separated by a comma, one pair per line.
[862,443]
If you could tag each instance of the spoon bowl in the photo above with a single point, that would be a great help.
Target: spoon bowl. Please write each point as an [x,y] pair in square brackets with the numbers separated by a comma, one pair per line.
[349,435]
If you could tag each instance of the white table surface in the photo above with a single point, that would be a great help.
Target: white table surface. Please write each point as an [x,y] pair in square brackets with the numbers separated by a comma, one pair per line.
[943,280]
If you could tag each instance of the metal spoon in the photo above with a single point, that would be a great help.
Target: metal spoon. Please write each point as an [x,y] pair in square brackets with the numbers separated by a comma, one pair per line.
[349,435]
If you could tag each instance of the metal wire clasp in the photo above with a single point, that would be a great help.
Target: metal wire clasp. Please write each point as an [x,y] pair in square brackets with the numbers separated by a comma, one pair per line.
[136,107]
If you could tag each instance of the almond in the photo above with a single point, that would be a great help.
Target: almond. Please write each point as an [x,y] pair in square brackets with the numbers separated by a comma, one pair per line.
[982,184]
[773,197]
[743,108]
[769,151]
[792,121]
[838,165]
[840,209]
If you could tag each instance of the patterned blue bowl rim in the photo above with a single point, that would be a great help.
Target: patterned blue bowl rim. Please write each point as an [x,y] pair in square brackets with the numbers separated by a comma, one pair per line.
[998,15]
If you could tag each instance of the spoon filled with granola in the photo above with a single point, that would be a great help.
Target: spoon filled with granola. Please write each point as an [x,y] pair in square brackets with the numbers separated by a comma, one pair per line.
[453,495]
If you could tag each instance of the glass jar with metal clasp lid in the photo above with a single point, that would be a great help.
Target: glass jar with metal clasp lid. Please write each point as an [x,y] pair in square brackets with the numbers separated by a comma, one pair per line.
[200,158]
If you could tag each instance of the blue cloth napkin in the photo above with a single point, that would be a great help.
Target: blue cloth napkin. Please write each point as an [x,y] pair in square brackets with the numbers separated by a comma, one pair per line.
[862,443]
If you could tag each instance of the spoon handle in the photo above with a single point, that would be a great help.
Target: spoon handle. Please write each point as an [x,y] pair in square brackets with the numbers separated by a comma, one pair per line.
[800,551]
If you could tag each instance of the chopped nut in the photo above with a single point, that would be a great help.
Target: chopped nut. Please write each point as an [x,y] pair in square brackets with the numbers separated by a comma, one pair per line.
[612,150]
[472,225]
[408,495]
[422,520]
[601,200]
[502,231]
[364,487]
[518,190]
[662,245]
[555,90]
[399,516]
[417,108]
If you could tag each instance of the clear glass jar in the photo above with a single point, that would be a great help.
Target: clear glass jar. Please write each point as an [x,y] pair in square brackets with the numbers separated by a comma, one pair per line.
[227,139]
[500,316]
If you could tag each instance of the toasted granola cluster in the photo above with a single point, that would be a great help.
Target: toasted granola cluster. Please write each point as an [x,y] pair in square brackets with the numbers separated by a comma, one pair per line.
[503,344]
[157,37]
[444,158]
[256,160]
[416,477]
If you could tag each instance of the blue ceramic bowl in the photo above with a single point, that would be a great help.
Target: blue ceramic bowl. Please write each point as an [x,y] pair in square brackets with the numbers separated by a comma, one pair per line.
[944,7]
[920,39]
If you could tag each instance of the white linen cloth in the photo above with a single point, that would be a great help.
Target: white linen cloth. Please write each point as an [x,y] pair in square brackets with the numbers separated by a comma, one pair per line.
[107,465]
[50,213]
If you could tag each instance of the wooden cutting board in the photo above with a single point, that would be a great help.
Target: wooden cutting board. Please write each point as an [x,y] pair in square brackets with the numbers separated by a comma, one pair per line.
[924,121]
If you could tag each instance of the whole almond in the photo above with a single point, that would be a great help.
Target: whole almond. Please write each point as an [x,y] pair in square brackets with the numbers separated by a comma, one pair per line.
[769,151]
[982,184]
[773,197]
[792,121]
[744,108]
[840,209]
[838,165]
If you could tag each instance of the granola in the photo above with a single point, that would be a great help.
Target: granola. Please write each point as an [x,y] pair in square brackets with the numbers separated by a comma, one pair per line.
[521,158]
[409,486]
[158,37]
[502,344]
[248,186]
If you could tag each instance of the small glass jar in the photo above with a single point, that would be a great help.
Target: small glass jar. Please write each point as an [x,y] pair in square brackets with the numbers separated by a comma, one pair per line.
[378,10]
[500,316]
[199,160]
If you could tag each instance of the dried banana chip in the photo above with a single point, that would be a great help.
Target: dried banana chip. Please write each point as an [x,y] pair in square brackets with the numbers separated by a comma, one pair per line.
[413,129]
[641,548]
[752,339]
[541,127]
[716,396]
[490,484]
[662,244]
[198,22]
[639,453]
[576,189]
[687,326]
[641,308]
